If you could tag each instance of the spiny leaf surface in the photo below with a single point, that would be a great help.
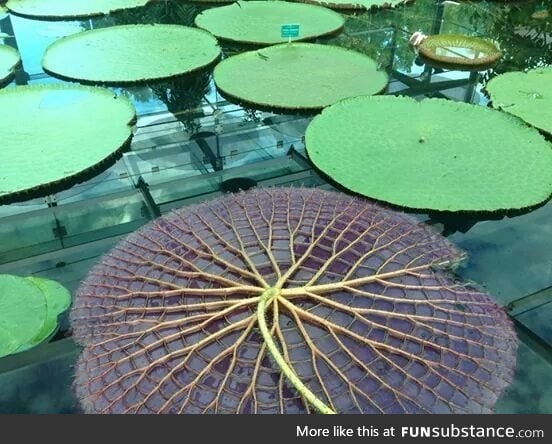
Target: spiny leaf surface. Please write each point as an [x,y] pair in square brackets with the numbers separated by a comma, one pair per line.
[367,315]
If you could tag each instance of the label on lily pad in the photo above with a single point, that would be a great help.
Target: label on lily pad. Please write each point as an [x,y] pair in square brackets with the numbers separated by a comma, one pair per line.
[290,30]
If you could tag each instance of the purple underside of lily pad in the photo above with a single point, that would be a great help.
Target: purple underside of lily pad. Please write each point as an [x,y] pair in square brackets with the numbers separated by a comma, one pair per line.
[367,313]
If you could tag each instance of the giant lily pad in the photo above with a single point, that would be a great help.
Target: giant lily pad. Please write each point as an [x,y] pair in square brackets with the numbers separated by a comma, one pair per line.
[65,9]
[29,309]
[432,154]
[357,4]
[55,134]
[353,303]
[259,22]
[460,52]
[525,95]
[298,76]
[131,53]
[9,58]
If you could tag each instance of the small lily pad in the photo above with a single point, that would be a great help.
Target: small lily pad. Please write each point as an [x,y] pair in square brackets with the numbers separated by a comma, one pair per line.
[525,95]
[66,9]
[433,154]
[298,76]
[459,52]
[29,310]
[259,22]
[22,313]
[9,58]
[131,53]
[58,300]
[53,135]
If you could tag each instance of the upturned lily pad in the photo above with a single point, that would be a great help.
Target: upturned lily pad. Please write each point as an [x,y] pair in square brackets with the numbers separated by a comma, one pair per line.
[460,52]
[525,95]
[131,53]
[67,9]
[29,310]
[246,303]
[9,58]
[357,4]
[260,22]
[433,154]
[54,135]
[298,76]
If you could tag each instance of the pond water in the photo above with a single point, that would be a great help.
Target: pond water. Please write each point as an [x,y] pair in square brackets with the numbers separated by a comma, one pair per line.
[190,144]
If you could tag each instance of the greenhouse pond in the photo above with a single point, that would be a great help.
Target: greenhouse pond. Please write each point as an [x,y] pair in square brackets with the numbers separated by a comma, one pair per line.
[200,129]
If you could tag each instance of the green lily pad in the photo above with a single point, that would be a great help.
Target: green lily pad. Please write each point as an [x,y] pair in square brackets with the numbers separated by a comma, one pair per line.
[357,4]
[460,52]
[9,58]
[433,154]
[298,76]
[131,53]
[525,95]
[259,22]
[58,300]
[53,135]
[65,9]
[22,313]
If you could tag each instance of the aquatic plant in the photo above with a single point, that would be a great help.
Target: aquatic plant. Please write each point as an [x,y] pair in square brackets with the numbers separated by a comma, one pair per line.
[433,154]
[9,58]
[298,76]
[151,52]
[461,52]
[259,22]
[67,9]
[58,134]
[357,4]
[29,310]
[287,301]
[527,95]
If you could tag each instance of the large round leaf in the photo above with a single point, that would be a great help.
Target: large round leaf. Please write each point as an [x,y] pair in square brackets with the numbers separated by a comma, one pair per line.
[259,22]
[131,53]
[525,95]
[57,299]
[9,58]
[460,52]
[52,135]
[432,154]
[298,76]
[65,9]
[22,313]
[363,311]
[357,4]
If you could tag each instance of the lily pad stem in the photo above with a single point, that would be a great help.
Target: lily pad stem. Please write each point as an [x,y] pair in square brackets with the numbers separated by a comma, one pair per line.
[266,297]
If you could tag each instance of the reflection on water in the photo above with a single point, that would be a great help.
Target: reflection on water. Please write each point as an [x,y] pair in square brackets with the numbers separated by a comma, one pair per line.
[186,132]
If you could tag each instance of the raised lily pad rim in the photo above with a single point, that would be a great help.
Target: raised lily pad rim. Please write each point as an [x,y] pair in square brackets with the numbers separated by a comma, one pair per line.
[459,62]
[273,108]
[11,69]
[481,214]
[116,83]
[81,175]
[330,33]
[355,6]
[52,17]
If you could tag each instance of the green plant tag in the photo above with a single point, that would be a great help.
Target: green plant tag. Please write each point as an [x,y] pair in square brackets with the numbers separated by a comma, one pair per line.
[290,30]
